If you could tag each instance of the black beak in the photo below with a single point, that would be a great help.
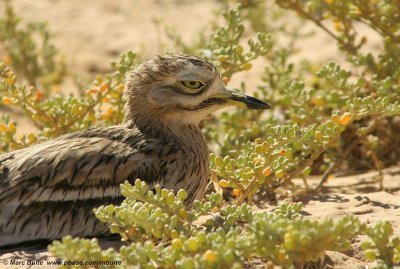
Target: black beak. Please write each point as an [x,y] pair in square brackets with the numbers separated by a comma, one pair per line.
[251,102]
[242,100]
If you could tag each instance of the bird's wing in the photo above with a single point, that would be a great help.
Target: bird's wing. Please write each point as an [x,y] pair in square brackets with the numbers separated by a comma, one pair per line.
[76,168]
[49,190]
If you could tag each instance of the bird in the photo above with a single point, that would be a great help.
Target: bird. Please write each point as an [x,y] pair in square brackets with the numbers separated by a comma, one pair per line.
[50,189]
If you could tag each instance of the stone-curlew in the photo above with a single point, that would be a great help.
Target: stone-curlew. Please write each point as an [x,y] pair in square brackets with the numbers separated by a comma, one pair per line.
[49,190]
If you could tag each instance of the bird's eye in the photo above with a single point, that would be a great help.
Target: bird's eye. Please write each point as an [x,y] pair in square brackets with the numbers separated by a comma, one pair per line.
[192,84]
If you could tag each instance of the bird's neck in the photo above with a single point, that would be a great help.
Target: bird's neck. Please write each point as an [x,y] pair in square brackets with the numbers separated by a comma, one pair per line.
[180,131]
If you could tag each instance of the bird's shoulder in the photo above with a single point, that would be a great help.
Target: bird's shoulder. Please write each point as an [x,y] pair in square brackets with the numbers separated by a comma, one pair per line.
[96,160]
[113,140]
[89,154]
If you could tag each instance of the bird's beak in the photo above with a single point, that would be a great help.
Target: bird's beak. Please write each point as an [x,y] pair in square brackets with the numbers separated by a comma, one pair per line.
[241,100]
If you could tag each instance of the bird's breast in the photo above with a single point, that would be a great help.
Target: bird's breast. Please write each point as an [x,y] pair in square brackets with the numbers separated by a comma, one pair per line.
[190,169]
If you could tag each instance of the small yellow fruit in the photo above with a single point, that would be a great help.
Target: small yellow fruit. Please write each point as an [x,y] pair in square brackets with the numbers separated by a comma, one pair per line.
[115,95]
[90,91]
[345,119]
[281,256]
[222,58]
[219,161]
[109,111]
[226,65]
[201,237]
[105,99]
[280,174]
[114,228]
[226,80]
[39,96]
[8,60]
[236,192]
[327,15]
[318,135]
[183,213]
[266,146]
[3,128]
[107,114]
[11,128]
[318,101]
[192,244]
[247,66]
[335,118]
[92,117]
[239,50]
[210,256]
[120,88]
[174,234]
[99,79]
[259,148]
[75,109]
[7,101]
[10,81]
[289,242]
[131,232]
[295,118]
[223,183]
[182,194]
[104,87]
[266,172]
[32,137]
[338,26]
[177,244]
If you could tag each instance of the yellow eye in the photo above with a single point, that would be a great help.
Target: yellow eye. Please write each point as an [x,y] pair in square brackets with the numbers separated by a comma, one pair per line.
[192,84]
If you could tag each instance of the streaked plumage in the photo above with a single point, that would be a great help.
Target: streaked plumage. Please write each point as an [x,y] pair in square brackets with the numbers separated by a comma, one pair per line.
[49,190]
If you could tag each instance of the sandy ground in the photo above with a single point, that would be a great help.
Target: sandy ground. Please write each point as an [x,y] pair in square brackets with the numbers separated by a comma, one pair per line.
[91,34]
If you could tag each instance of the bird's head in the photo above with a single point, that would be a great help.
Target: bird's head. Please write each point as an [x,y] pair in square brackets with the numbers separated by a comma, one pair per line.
[180,88]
